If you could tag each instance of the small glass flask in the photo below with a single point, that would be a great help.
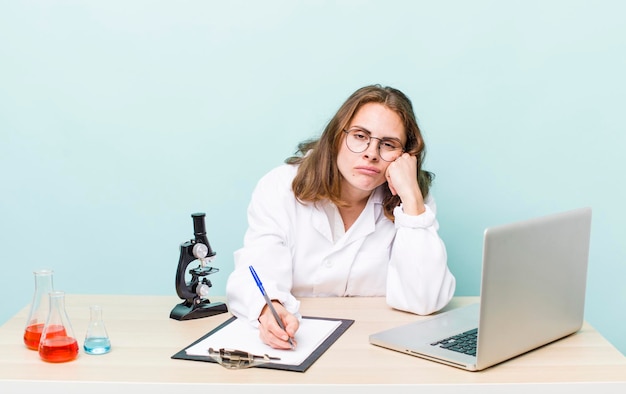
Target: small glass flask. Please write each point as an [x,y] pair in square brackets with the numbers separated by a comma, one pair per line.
[39,308]
[58,343]
[96,340]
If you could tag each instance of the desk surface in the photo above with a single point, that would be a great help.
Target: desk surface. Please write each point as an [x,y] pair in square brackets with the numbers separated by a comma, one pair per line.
[144,338]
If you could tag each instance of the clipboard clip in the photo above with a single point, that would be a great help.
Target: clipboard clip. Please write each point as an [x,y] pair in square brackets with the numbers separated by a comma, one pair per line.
[238,359]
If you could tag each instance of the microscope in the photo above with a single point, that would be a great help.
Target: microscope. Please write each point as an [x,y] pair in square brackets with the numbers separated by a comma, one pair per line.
[194,293]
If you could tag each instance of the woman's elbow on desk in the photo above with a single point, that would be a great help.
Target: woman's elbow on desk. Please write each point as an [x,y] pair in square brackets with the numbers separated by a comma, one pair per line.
[425,301]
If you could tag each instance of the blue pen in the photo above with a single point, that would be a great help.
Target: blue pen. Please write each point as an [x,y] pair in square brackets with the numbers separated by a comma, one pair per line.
[269,302]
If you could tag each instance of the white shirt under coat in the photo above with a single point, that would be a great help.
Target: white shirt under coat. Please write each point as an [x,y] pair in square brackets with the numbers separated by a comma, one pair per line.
[301,250]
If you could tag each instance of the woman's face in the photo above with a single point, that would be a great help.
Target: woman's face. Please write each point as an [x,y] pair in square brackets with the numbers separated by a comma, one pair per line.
[365,171]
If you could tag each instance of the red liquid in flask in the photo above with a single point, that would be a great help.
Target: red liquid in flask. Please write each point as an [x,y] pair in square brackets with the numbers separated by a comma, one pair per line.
[32,335]
[58,349]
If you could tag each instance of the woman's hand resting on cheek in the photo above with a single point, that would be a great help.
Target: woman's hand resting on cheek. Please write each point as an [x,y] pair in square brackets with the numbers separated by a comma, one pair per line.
[402,180]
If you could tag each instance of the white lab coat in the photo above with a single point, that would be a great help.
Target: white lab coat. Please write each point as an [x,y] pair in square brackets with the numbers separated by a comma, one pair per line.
[292,248]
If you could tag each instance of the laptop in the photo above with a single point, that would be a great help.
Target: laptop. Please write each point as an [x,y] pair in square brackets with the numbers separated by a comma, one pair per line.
[534,276]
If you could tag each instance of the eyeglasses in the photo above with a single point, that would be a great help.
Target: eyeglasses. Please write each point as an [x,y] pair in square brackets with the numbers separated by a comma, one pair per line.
[358,140]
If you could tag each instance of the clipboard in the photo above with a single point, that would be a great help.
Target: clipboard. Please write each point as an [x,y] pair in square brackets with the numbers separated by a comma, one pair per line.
[344,324]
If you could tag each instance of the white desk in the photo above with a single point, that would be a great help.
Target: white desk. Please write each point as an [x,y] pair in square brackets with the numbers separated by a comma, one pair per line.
[144,338]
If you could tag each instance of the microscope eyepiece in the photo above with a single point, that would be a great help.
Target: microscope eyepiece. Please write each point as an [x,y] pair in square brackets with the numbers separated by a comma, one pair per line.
[198,223]
[199,231]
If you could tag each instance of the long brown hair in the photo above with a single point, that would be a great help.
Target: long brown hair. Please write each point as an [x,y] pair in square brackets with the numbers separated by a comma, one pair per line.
[318,177]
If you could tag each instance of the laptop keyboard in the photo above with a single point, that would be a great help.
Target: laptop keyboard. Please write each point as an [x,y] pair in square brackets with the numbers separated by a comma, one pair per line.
[462,343]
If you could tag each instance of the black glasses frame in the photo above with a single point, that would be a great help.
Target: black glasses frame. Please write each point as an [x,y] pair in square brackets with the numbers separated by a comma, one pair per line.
[380,140]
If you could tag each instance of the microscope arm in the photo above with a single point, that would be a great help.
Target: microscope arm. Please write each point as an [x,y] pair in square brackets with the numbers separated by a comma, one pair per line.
[181,285]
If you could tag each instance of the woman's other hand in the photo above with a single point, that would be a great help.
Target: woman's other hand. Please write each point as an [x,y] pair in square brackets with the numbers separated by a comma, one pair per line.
[271,333]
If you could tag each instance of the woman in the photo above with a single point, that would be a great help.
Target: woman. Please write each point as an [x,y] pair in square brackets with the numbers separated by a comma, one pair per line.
[351,215]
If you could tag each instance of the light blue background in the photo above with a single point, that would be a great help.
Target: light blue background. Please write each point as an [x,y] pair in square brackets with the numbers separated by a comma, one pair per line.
[119,119]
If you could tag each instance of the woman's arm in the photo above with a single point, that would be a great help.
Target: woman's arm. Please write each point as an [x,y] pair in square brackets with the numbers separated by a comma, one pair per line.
[266,248]
[418,278]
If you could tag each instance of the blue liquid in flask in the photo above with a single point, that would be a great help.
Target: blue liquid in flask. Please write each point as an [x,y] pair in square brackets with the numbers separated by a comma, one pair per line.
[97,345]
[97,340]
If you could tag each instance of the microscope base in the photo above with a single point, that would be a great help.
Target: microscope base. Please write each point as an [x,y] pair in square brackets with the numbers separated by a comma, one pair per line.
[185,312]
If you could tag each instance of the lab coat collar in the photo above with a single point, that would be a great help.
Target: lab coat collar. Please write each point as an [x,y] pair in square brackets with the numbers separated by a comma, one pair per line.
[364,225]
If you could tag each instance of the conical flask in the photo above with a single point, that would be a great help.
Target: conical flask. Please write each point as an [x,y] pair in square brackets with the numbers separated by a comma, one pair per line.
[58,343]
[96,340]
[39,308]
